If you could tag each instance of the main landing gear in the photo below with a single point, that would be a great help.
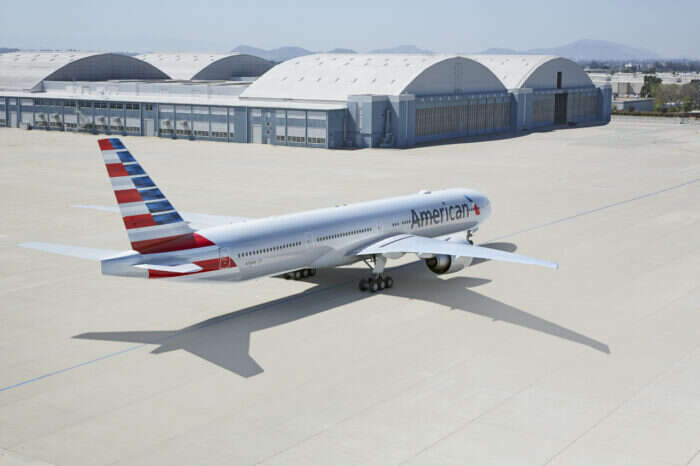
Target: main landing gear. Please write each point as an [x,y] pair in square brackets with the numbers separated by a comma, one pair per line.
[300,274]
[378,281]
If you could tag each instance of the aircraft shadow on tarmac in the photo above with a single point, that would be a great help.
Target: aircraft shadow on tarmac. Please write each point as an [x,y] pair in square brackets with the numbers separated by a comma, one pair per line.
[224,340]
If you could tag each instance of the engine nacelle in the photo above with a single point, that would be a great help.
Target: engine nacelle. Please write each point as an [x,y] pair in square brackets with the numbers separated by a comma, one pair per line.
[443,264]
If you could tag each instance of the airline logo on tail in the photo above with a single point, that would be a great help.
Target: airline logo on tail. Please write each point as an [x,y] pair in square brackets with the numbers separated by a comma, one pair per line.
[152,223]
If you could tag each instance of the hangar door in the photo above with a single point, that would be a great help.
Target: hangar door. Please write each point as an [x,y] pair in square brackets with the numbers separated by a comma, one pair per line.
[560,101]
[465,115]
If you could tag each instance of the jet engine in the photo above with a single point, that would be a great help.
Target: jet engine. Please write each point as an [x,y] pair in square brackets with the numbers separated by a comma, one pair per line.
[443,264]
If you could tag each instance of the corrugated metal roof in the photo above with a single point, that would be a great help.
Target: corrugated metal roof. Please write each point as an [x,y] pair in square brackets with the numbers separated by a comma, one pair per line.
[333,77]
[26,70]
[516,71]
[209,66]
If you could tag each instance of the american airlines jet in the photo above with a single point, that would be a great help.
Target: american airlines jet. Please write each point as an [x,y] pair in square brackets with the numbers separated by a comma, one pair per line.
[436,226]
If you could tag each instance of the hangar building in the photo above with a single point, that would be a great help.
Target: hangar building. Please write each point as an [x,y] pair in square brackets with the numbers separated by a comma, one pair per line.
[320,100]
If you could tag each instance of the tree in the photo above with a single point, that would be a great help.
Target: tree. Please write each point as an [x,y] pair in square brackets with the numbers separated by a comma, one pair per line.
[651,84]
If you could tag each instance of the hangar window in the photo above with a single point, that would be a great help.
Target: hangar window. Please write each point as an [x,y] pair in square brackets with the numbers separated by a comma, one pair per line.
[148,107]
[317,115]
[256,113]
[115,106]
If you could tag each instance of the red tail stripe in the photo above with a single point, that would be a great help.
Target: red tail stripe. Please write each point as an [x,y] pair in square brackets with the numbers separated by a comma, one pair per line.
[139,221]
[128,195]
[105,144]
[207,265]
[116,169]
[171,243]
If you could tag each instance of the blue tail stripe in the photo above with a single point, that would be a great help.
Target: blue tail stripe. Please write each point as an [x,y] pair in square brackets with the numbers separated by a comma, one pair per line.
[125,156]
[151,194]
[116,143]
[171,217]
[134,169]
[159,206]
[143,182]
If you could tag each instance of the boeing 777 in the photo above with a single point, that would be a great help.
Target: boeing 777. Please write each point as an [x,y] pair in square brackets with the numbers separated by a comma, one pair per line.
[436,226]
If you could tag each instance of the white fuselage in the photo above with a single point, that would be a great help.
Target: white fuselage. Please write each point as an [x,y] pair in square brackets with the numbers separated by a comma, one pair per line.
[325,237]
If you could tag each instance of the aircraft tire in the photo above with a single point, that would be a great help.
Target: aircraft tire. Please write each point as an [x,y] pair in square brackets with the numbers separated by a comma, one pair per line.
[381,283]
[373,285]
[312,272]
[364,284]
[297,275]
[305,273]
[389,282]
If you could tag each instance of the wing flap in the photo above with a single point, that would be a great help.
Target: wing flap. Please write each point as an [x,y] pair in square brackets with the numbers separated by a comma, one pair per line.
[420,245]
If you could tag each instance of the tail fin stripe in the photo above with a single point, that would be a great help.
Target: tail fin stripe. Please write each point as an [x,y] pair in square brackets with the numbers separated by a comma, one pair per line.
[171,217]
[116,169]
[127,195]
[151,194]
[159,206]
[134,169]
[122,182]
[143,182]
[134,208]
[139,221]
[158,231]
[125,156]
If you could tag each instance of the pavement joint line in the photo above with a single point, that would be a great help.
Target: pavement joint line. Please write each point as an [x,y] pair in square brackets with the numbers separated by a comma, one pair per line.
[598,209]
[312,292]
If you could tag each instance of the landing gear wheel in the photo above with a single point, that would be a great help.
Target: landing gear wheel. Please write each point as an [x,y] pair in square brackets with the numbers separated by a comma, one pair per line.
[469,237]
[297,275]
[381,283]
[388,282]
[287,276]
[364,284]
[305,273]
[373,285]
[312,272]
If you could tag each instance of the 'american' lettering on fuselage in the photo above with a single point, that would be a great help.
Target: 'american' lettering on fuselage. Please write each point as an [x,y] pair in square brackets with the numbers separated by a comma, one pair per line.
[442,214]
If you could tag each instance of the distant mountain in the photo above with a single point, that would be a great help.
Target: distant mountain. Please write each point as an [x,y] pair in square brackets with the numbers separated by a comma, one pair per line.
[341,51]
[8,50]
[279,54]
[403,49]
[500,52]
[586,50]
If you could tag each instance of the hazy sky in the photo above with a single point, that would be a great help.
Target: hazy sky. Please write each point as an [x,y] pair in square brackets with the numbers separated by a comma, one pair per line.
[668,28]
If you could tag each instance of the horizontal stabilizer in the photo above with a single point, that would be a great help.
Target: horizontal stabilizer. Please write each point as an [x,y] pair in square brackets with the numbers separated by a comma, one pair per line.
[182,268]
[72,251]
[421,245]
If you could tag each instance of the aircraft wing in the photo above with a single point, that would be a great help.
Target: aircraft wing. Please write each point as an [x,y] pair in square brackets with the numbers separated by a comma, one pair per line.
[196,220]
[421,245]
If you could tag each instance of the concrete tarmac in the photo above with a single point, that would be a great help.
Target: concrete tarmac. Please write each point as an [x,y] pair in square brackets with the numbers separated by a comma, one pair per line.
[595,363]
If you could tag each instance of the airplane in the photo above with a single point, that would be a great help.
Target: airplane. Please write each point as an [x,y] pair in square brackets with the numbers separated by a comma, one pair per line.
[436,226]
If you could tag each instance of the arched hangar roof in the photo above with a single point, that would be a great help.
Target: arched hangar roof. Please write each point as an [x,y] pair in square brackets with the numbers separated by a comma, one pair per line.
[207,66]
[534,71]
[333,77]
[26,70]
